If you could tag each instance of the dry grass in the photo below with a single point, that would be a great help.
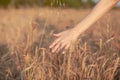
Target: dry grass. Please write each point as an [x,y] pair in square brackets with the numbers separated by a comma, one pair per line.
[25,35]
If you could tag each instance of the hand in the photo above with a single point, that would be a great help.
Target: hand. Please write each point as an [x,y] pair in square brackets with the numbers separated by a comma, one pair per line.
[64,40]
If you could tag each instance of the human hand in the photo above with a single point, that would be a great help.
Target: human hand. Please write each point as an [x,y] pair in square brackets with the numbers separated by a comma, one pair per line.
[64,40]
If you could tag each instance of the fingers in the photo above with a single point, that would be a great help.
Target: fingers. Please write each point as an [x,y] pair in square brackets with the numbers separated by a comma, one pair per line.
[54,43]
[58,45]
[63,47]
[56,48]
[67,47]
[60,48]
[57,35]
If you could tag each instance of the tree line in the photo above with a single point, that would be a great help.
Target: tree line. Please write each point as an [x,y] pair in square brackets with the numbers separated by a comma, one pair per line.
[49,3]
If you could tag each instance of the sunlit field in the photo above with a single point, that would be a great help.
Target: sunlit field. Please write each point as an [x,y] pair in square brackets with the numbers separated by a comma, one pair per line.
[25,36]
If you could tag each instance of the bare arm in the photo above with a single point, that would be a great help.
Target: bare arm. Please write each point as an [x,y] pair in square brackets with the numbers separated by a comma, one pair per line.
[101,8]
[65,38]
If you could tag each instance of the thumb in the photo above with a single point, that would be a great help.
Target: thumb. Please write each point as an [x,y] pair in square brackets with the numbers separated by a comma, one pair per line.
[57,35]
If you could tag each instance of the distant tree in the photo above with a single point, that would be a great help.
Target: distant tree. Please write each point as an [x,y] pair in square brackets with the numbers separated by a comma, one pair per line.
[19,3]
[74,3]
[50,3]
[4,3]
[64,3]
[89,3]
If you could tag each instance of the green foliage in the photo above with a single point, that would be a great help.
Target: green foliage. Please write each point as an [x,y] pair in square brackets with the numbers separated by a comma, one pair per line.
[64,3]
[89,3]
[74,3]
[50,3]
[18,3]
[4,3]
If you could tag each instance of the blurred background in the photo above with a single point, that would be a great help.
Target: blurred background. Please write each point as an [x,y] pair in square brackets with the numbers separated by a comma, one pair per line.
[26,31]
[49,3]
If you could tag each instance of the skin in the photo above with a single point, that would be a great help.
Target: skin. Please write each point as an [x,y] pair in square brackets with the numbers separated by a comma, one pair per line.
[65,39]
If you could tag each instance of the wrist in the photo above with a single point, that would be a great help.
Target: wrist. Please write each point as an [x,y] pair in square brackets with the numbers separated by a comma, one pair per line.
[79,29]
[75,32]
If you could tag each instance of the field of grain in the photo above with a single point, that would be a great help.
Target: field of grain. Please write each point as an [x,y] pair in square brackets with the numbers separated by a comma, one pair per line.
[25,35]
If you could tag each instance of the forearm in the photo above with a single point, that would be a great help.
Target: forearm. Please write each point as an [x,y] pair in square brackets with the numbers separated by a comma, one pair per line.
[100,9]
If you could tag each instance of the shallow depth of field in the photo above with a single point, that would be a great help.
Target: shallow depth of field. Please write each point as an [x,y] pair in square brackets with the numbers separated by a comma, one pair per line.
[25,36]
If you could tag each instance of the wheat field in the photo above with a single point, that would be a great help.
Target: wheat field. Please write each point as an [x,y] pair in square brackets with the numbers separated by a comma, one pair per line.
[26,33]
